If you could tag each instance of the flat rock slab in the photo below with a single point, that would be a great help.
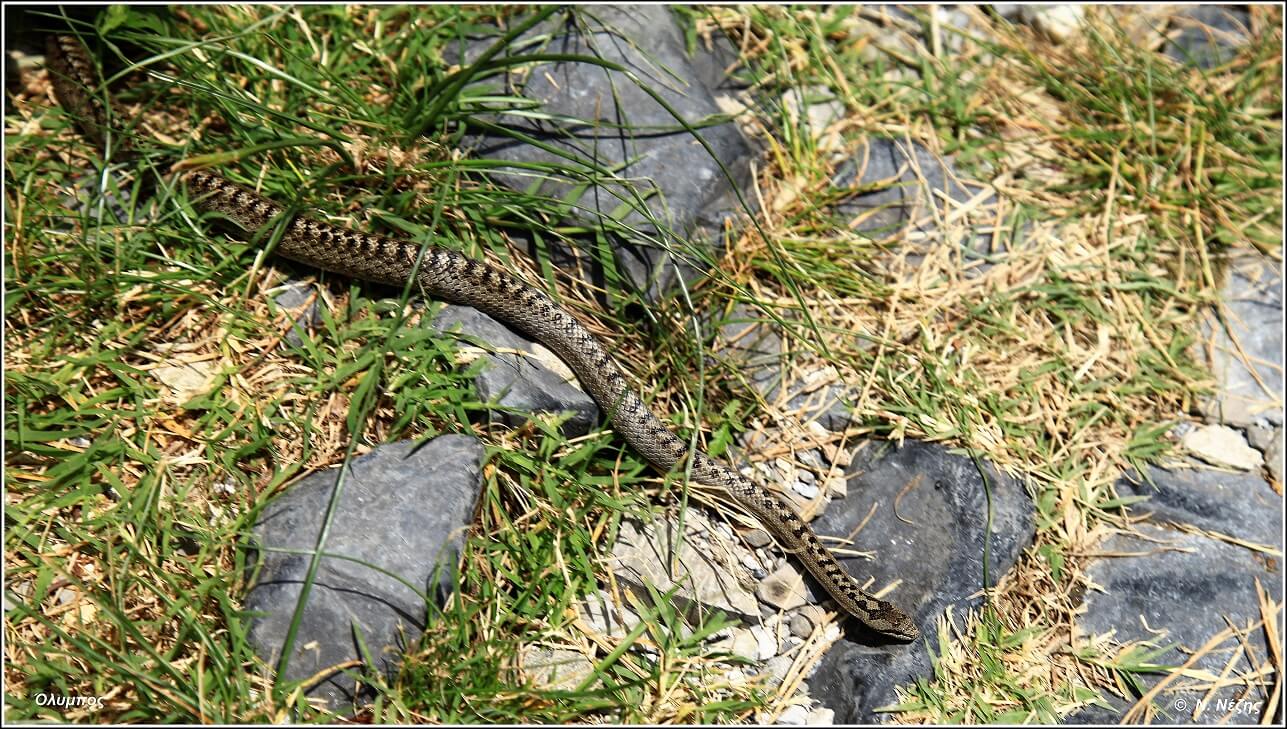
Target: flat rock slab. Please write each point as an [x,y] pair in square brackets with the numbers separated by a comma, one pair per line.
[1208,35]
[897,187]
[1181,590]
[518,384]
[927,532]
[1220,445]
[1240,505]
[404,511]
[753,345]
[591,119]
[659,555]
[1250,388]
[556,668]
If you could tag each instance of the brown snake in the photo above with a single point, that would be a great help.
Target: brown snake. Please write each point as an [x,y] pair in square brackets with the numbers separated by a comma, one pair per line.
[448,275]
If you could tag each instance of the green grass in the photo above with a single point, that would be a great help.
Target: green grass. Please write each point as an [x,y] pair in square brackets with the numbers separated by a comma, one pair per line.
[129,503]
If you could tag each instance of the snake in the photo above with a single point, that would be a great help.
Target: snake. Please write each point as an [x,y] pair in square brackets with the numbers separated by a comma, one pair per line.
[448,275]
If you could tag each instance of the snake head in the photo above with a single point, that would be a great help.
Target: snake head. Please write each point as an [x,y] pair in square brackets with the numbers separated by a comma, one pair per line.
[897,624]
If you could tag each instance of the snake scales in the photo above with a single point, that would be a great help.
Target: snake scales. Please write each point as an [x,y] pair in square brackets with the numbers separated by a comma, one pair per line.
[448,275]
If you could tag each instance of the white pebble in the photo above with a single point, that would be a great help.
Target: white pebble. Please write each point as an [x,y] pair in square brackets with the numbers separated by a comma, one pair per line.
[766,644]
[807,490]
[794,716]
[821,716]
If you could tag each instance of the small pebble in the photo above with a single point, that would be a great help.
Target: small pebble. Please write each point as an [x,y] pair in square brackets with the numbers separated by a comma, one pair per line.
[811,458]
[784,589]
[1274,457]
[831,633]
[838,487]
[766,644]
[1260,437]
[807,490]
[721,641]
[794,716]
[777,669]
[800,626]
[821,716]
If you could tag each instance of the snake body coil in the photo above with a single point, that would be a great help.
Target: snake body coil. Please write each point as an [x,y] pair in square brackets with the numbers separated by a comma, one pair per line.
[448,275]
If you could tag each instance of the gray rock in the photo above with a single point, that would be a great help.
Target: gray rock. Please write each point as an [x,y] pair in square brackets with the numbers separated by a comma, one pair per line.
[292,296]
[404,510]
[110,205]
[753,566]
[894,187]
[757,538]
[1253,298]
[1274,457]
[745,644]
[794,715]
[820,110]
[1010,11]
[900,29]
[1240,505]
[755,348]
[1221,445]
[593,119]
[805,485]
[776,670]
[1209,34]
[821,717]
[766,642]
[653,554]
[517,385]
[1261,437]
[950,17]
[556,669]
[800,625]
[937,554]
[604,616]
[1187,586]
[784,589]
